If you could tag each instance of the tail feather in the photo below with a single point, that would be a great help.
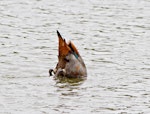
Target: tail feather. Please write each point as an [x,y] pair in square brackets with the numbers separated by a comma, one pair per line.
[73,48]
[64,49]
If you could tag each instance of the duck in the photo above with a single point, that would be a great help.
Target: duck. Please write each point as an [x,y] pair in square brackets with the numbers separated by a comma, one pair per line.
[70,63]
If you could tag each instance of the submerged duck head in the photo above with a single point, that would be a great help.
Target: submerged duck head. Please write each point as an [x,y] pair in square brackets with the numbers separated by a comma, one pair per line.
[70,63]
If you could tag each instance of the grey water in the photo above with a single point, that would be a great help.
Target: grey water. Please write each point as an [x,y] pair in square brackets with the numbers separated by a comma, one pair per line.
[113,38]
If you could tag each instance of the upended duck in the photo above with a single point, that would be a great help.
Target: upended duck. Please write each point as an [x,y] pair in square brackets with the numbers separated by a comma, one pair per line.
[70,63]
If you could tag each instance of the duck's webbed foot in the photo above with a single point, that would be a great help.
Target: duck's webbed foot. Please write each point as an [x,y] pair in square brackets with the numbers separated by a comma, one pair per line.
[60,72]
[50,72]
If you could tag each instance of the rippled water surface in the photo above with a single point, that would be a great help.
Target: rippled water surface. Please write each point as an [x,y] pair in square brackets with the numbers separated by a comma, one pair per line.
[113,37]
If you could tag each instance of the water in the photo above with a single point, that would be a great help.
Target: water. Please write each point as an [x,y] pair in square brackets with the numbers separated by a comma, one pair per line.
[112,37]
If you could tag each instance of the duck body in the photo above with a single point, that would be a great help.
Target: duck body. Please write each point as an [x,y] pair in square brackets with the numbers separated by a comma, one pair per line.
[70,63]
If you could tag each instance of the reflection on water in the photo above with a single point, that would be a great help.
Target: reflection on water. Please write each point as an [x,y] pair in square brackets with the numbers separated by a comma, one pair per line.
[70,81]
[112,37]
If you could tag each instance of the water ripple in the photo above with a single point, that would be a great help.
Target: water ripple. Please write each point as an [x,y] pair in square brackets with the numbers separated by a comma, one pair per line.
[112,37]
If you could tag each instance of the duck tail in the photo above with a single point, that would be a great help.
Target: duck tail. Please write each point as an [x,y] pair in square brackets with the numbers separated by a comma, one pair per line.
[64,49]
